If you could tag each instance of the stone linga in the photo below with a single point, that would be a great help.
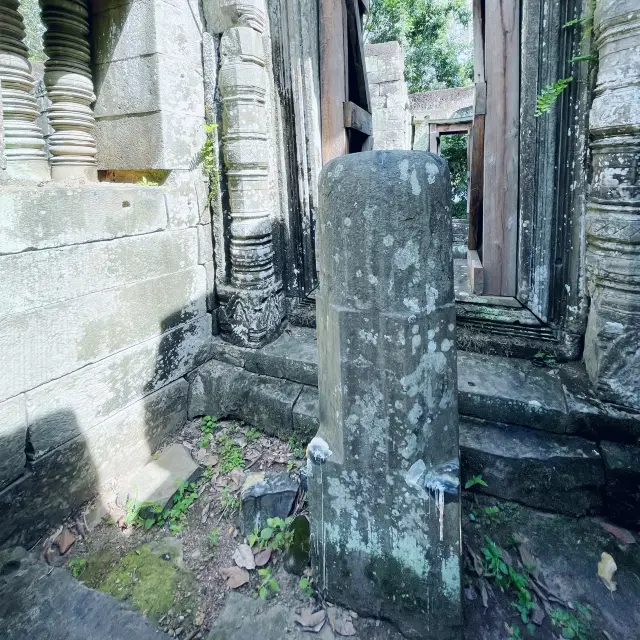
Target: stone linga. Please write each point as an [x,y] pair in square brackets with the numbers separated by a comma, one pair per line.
[384,478]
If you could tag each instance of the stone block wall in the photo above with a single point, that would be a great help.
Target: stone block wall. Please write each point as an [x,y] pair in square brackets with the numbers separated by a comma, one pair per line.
[103,311]
[389,97]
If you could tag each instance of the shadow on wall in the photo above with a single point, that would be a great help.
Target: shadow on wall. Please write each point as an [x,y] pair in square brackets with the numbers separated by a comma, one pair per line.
[56,484]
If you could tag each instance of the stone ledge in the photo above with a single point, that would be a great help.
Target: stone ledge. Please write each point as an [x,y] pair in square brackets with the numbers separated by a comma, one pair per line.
[622,471]
[507,390]
[563,474]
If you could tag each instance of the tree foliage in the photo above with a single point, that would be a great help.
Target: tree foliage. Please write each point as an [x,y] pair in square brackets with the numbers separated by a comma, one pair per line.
[434,37]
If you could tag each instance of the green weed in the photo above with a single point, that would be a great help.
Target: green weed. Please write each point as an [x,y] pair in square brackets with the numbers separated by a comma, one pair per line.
[474,481]
[229,502]
[252,435]
[77,566]
[277,534]
[230,455]
[305,586]
[267,584]
[207,427]
[214,537]
[550,94]
[573,625]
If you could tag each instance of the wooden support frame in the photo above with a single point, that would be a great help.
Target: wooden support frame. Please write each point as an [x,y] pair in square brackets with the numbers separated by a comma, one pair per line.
[343,79]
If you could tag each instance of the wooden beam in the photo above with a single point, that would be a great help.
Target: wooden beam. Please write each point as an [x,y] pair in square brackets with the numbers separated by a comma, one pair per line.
[357,118]
[476,274]
[358,86]
[501,147]
[457,127]
[480,99]
[476,182]
[478,40]
[434,139]
[333,86]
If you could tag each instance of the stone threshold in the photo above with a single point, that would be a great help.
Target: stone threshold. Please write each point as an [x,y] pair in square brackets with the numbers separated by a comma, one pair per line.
[556,472]
[505,390]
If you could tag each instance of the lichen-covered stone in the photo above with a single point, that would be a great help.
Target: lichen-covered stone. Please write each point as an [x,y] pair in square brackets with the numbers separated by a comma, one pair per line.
[383,484]
[266,495]
[39,601]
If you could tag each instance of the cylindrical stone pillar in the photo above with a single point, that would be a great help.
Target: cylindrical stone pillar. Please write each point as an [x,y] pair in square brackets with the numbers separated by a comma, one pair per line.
[385,503]
[69,86]
[23,139]
[612,341]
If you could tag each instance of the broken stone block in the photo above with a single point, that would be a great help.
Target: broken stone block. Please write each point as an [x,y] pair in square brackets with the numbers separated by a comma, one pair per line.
[622,473]
[157,482]
[39,601]
[266,495]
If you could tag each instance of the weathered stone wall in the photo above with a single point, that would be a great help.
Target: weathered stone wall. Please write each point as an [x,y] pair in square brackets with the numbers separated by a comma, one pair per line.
[389,97]
[442,104]
[103,310]
[107,288]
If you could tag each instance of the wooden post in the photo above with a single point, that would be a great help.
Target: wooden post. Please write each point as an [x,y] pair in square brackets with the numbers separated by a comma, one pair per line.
[501,147]
[333,81]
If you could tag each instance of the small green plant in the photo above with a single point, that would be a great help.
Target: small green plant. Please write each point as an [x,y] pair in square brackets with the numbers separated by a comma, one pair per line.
[474,481]
[77,566]
[208,157]
[506,577]
[252,435]
[145,182]
[229,502]
[493,515]
[207,427]
[230,455]
[514,633]
[267,584]
[277,534]
[175,515]
[550,94]
[297,450]
[544,359]
[214,537]
[572,625]
[305,586]
[208,473]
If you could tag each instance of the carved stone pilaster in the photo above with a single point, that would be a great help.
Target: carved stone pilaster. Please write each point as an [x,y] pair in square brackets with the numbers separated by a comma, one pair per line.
[612,341]
[70,88]
[252,299]
[23,140]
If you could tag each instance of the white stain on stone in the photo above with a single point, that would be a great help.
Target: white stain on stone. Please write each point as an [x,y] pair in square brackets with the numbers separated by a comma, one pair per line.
[387,241]
[416,341]
[414,414]
[411,304]
[410,448]
[432,171]
[368,337]
[432,296]
[373,279]
[404,170]
[450,575]
[416,189]
[446,345]
[406,256]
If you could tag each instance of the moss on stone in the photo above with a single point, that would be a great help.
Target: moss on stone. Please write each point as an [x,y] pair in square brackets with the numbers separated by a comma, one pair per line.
[148,581]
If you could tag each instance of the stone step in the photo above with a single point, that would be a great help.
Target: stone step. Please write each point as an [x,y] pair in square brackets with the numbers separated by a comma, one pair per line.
[558,473]
[507,390]
[563,474]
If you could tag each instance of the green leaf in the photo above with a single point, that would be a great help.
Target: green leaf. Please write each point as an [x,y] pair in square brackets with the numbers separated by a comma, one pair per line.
[264,593]
[274,585]
[149,522]
[266,533]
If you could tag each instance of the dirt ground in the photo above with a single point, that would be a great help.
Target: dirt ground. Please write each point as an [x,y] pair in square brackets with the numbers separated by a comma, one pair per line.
[556,555]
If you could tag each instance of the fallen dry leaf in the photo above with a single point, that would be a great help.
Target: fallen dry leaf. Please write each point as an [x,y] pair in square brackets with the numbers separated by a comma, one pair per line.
[606,568]
[484,594]
[344,626]
[243,557]
[470,593]
[235,576]
[262,557]
[311,621]
[236,478]
[622,534]
[65,540]
[331,616]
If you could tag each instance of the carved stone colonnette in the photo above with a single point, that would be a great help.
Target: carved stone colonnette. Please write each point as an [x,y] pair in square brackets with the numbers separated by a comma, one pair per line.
[612,342]
[69,86]
[252,299]
[23,139]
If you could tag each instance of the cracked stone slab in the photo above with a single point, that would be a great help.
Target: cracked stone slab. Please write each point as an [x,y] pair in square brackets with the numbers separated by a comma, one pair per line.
[510,390]
[266,495]
[293,355]
[564,474]
[39,601]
